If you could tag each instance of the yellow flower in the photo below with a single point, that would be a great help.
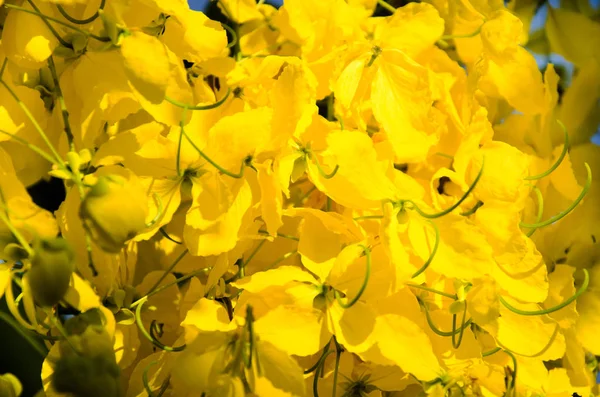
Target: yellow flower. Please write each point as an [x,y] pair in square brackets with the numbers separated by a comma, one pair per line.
[114,211]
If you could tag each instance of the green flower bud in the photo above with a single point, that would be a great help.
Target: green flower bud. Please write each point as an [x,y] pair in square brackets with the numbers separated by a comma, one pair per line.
[10,386]
[113,212]
[87,377]
[51,268]
[91,369]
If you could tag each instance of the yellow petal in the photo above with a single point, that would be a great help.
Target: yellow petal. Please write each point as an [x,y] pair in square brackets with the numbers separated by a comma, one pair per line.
[146,65]
[353,327]
[401,103]
[216,216]
[514,333]
[573,35]
[401,339]
[280,374]
[296,330]
[208,316]
[413,28]
[26,39]
[276,277]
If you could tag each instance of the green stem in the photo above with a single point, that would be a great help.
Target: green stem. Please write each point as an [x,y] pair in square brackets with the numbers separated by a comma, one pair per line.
[164,287]
[211,162]
[363,287]
[567,302]
[45,20]
[37,127]
[453,207]
[478,205]
[322,172]
[455,343]
[387,6]
[540,213]
[168,271]
[564,213]
[490,352]
[24,334]
[336,369]
[280,259]
[146,334]
[205,107]
[58,21]
[17,235]
[463,36]
[81,21]
[289,237]
[63,106]
[438,331]
[435,291]
[560,158]
[166,235]
[360,218]
[160,210]
[316,365]
[31,146]
[433,251]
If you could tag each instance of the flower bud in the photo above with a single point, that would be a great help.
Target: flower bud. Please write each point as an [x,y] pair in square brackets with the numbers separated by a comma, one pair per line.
[113,212]
[51,269]
[91,369]
[10,386]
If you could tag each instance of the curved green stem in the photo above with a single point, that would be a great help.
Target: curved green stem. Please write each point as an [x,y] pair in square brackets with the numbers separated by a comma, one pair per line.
[438,331]
[560,158]
[31,146]
[17,234]
[316,365]
[320,367]
[433,251]
[145,378]
[166,235]
[50,27]
[58,21]
[567,302]
[435,291]
[234,36]
[461,331]
[164,287]
[146,334]
[33,121]
[80,21]
[473,210]
[363,287]
[280,259]
[490,352]
[322,172]
[564,213]
[513,382]
[540,213]
[463,36]
[459,202]
[211,162]
[168,271]
[205,107]
[159,213]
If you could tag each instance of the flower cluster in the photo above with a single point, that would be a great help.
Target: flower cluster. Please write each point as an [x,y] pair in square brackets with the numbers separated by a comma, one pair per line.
[334,198]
